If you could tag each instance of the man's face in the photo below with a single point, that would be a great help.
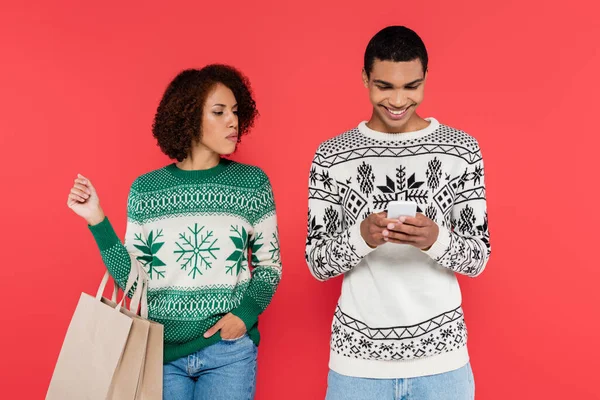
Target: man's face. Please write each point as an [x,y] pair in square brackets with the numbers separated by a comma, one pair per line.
[395,90]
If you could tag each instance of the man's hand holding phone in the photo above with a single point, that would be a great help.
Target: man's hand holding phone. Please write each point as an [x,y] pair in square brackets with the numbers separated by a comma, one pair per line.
[401,225]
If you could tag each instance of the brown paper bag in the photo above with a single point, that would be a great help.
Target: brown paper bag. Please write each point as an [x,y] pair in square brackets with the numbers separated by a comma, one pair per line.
[111,353]
[125,382]
[93,346]
[140,373]
[152,379]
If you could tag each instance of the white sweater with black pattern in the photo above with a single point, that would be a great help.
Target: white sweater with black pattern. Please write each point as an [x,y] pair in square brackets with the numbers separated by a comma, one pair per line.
[399,314]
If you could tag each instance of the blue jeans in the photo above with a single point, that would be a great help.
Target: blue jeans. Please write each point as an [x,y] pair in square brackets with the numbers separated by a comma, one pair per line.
[453,385]
[225,370]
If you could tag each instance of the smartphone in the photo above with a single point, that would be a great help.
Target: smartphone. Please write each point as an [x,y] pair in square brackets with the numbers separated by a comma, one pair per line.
[397,209]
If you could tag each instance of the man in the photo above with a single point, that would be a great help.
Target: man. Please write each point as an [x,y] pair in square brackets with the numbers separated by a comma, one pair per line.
[398,328]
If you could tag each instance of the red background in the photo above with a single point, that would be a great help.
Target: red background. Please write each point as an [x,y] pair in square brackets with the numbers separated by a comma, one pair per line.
[80,82]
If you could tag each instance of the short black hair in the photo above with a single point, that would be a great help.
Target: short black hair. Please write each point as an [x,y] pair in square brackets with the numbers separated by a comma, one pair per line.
[395,43]
[178,120]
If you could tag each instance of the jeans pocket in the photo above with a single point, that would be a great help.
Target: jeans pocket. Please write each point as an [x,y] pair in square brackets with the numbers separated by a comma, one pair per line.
[235,339]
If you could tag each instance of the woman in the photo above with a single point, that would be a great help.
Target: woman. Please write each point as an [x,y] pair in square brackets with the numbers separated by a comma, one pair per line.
[191,225]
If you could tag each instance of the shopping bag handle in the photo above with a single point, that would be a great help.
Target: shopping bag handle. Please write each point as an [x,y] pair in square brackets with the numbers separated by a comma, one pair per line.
[141,294]
[133,277]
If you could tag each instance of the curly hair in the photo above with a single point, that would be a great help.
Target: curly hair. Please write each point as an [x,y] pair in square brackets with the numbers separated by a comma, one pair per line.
[178,120]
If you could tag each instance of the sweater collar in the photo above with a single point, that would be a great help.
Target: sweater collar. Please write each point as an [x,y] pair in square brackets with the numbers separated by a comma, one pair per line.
[200,173]
[365,130]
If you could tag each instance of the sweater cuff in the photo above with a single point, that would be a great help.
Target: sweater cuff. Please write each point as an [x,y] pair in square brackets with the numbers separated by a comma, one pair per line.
[248,312]
[440,247]
[356,241]
[104,234]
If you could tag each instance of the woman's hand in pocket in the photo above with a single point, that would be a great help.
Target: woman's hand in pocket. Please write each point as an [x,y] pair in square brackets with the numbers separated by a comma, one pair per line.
[231,327]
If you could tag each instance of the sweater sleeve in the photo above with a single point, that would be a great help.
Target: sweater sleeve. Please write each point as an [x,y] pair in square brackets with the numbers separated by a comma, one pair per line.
[331,248]
[464,247]
[265,258]
[116,255]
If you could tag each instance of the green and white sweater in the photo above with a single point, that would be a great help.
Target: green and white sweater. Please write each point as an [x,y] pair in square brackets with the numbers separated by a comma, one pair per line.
[192,232]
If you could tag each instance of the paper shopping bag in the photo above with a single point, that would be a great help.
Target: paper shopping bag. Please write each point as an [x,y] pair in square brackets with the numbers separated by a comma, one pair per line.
[91,351]
[140,374]
[151,384]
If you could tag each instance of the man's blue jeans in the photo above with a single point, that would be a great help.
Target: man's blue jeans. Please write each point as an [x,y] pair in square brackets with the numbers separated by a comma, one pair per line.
[453,385]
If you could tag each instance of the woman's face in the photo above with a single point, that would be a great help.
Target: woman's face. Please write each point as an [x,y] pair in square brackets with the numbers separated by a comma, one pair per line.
[220,121]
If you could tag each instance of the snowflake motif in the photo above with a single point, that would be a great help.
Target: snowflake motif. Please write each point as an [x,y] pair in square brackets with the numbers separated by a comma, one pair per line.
[149,259]
[239,257]
[386,347]
[407,346]
[470,270]
[326,180]
[313,176]
[322,177]
[336,329]
[196,250]
[428,341]
[337,253]
[347,337]
[446,333]
[365,344]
